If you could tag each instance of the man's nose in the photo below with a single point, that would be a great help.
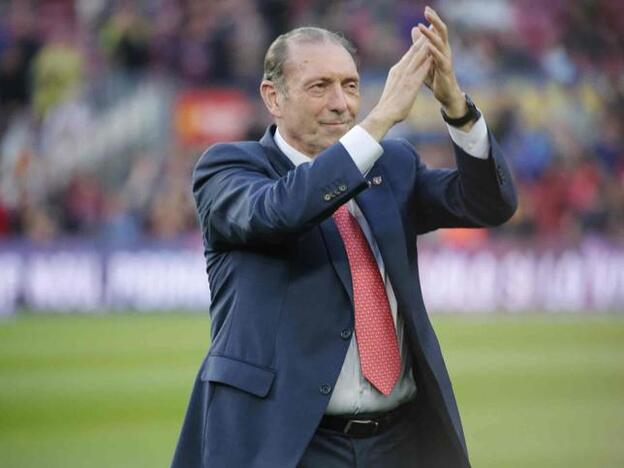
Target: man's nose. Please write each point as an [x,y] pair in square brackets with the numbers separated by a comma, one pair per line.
[337,100]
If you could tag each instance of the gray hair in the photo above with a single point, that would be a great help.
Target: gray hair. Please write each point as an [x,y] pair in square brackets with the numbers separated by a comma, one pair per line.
[277,54]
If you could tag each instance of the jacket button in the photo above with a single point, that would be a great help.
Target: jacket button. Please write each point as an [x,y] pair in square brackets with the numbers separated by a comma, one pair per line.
[346,333]
[325,389]
[327,197]
[342,187]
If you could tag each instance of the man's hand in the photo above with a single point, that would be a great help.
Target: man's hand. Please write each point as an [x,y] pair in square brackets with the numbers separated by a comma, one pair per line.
[402,85]
[441,78]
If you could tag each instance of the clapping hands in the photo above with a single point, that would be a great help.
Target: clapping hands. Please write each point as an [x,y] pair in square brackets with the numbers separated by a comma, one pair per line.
[441,79]
[429,61]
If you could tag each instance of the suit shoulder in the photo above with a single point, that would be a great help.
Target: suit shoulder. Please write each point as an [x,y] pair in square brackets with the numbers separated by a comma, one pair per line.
[234,150]
[238,152]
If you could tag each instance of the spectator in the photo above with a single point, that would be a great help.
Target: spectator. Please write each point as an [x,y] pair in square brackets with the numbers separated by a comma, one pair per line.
[562,73]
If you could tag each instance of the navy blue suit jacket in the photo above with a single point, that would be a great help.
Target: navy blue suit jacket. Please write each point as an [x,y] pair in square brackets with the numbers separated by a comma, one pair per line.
[282,295]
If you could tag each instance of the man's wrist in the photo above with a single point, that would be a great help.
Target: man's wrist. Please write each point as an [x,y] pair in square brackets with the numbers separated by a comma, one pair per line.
[376,125]
[456,107]
[467,120]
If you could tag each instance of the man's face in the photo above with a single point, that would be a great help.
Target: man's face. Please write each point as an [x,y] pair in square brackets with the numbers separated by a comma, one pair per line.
[322,96]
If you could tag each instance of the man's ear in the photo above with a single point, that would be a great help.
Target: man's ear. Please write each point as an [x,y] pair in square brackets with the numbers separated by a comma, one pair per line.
[269,94]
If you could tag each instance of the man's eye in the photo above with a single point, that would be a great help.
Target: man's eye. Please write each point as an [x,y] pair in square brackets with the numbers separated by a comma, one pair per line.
[353,87]
[317,90]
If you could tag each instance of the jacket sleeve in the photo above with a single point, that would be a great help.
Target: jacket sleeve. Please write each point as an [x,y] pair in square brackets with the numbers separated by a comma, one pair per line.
[242,201]
[479,193]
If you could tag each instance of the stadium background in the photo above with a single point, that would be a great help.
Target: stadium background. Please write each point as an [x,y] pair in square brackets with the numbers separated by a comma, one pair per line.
[106,105]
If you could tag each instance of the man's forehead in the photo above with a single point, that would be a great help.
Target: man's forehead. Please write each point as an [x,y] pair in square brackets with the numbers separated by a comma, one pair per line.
[318,58]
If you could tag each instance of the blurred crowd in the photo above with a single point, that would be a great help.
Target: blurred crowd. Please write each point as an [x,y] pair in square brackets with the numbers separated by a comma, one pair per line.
[549,77]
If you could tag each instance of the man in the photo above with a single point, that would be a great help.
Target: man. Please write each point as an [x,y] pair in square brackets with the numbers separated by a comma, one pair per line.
[322,353]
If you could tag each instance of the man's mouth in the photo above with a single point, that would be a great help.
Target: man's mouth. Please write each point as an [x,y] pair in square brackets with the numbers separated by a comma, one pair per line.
[334,124]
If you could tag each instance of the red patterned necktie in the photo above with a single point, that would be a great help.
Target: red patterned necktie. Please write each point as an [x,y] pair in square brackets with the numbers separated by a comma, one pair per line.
[374,328]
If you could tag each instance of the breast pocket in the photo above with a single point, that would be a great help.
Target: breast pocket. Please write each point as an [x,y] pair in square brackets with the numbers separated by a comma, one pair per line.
[239,374]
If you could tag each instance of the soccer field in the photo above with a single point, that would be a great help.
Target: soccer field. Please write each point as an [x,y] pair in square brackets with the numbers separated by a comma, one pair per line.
[110,391]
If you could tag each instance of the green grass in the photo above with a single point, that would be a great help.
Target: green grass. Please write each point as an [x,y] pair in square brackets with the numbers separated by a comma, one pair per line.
[110,391]
[539,391]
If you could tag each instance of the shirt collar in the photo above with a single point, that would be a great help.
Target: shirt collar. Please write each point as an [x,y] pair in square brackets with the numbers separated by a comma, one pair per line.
[295,156]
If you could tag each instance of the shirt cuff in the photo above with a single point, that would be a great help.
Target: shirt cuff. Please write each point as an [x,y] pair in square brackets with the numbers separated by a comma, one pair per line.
[475,141]
[362,147]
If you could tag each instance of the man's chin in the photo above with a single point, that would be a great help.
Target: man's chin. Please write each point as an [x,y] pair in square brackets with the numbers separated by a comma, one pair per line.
[336,130]
[329,135]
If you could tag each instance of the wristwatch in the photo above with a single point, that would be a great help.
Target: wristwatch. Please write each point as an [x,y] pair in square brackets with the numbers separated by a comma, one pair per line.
[472,115]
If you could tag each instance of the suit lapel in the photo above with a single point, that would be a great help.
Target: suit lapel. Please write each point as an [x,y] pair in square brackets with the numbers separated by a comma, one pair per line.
[278,160]
[337,254]
[380,210]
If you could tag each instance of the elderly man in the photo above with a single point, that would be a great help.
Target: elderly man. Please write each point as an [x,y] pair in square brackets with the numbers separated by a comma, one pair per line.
[322,353]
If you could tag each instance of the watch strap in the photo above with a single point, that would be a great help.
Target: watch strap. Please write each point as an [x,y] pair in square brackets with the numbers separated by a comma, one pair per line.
[472,115]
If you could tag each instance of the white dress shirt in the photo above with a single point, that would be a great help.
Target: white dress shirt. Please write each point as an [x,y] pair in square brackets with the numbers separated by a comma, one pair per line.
[352,393]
